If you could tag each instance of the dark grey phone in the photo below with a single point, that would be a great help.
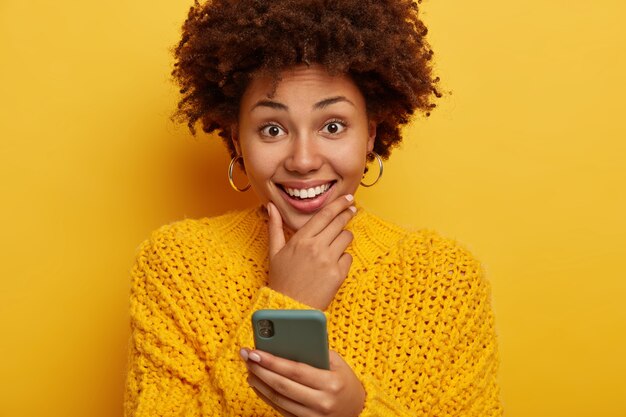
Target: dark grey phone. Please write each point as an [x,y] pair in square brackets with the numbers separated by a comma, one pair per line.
[298,335]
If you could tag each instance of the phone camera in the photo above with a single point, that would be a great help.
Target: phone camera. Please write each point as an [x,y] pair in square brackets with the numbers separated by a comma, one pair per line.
[266,328]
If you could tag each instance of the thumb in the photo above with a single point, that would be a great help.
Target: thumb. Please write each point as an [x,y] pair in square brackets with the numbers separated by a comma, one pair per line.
[336,361]
[275,228]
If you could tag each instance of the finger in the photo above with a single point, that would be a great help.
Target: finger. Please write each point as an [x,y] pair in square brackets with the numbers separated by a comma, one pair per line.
[325,216]
[282,404]
[336,361]
[283,412]
[297,372]
[275,230]
[335,227]
[341,242]
[345,262]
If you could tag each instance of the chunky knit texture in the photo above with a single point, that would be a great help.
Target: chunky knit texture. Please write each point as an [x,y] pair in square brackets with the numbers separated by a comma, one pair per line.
[412,319]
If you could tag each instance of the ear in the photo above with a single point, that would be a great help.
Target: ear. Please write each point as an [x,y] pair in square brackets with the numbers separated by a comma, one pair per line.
[371,137]
[234,137]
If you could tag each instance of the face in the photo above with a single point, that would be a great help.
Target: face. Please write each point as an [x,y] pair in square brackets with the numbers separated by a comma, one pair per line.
[306,144]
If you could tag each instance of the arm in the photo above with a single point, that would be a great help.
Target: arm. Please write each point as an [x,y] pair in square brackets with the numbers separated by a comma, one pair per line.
[441,355]
[468,383]
[164,370]
[184,347]
[454,361]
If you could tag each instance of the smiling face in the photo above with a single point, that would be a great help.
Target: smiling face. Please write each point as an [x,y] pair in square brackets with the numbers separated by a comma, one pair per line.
[306,144]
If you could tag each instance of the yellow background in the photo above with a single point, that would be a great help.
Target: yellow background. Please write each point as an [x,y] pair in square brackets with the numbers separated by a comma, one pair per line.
[523,162]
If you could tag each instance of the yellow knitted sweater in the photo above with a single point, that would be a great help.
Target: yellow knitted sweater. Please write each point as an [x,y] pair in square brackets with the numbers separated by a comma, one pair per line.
[412,319]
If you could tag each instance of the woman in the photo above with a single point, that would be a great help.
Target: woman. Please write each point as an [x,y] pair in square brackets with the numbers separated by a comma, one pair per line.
[304,93]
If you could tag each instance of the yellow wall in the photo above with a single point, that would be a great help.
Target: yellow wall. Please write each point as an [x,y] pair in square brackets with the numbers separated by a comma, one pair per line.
[524,163]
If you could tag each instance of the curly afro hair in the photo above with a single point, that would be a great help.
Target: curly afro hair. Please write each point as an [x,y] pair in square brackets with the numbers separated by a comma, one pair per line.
[380,44]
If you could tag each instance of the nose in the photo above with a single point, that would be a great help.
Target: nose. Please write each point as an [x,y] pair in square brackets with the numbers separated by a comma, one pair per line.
[304,155]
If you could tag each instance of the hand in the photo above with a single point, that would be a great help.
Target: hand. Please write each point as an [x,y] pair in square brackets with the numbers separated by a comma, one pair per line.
[311,267]
[296,389]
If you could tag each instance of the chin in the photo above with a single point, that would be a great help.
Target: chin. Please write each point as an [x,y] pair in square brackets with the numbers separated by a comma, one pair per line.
[295,222]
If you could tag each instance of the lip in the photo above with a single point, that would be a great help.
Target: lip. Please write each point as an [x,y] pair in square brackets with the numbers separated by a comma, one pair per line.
[309,205]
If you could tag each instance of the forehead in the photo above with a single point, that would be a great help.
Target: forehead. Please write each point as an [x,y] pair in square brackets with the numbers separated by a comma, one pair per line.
[301,85]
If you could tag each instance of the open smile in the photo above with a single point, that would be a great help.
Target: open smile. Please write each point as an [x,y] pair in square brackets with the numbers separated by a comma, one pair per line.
[307,198]
[304,193]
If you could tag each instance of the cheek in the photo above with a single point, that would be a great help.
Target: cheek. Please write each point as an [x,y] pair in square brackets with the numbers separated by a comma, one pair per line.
[260,166]
[350,164]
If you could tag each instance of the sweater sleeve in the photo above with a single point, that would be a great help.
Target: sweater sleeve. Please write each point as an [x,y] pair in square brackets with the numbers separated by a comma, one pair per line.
[462,365]
[379,404]
[470,389]
[170,372]
[469,381]
[229,371]
[441,356]
[164,370]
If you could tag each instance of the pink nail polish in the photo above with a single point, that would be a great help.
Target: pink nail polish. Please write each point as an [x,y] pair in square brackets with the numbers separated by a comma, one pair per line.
[253,356]
[244,354]
[349,197]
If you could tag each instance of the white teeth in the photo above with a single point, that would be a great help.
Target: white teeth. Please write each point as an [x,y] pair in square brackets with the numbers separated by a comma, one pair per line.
[308,192]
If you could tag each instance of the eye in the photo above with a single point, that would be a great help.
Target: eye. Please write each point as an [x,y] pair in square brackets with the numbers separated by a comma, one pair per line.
[334,127]
[272,130]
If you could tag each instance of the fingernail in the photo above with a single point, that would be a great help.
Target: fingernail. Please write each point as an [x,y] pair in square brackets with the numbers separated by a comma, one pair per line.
[352,208]
[269,210]
[349,197]
[254,357]
[244,354]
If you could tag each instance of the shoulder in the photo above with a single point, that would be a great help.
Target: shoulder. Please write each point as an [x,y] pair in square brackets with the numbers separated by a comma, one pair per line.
[197,240]
[423,253]
[177,251]
[449,273]
[442,277]
[440,251]
[209,229]
[408,239]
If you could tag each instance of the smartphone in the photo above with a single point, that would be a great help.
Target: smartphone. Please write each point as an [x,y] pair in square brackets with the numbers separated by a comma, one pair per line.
[297,335]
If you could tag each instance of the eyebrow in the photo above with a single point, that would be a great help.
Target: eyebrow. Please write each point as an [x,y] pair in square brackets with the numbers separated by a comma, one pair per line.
[271,104]
[332,100]
[317,106]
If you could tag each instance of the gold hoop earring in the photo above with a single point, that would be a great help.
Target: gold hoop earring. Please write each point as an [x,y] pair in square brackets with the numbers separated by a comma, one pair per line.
[380,170]
[230,175]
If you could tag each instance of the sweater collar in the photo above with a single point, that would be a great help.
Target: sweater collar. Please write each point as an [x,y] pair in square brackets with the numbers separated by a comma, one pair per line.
[373,237]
